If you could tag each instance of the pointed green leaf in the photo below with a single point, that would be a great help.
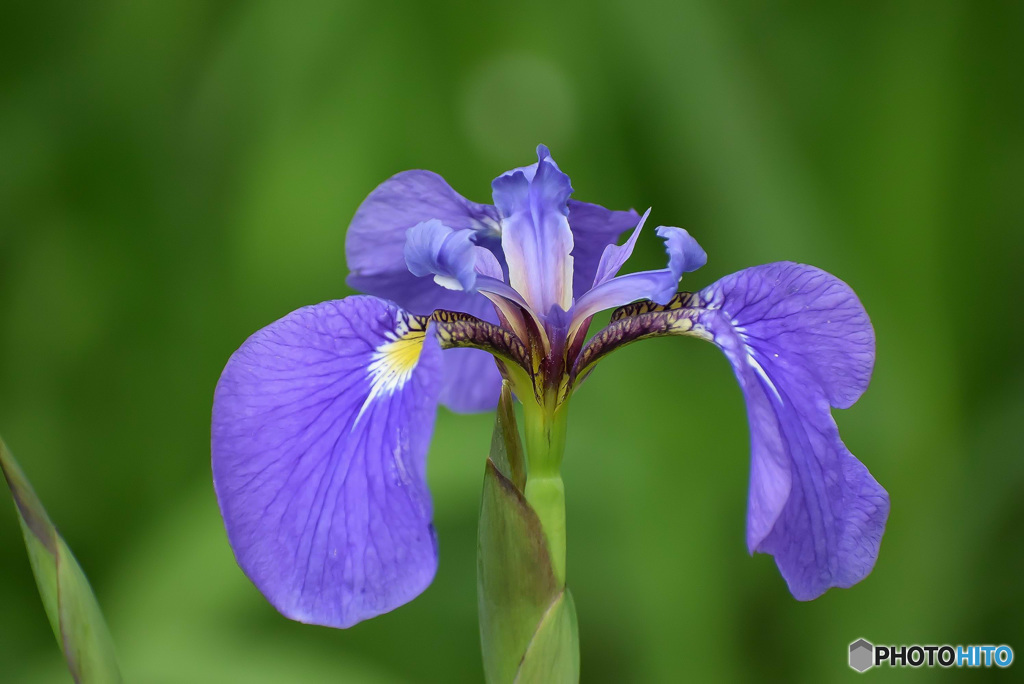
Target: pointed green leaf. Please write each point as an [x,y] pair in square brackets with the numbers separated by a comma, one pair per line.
[553,654]
[527,622]
[67,597]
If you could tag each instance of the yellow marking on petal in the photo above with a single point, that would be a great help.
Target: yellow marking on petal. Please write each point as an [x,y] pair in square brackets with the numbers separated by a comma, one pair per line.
[393,362]
[399,357]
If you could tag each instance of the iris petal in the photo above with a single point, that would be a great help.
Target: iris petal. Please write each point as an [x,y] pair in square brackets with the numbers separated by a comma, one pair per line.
[432,248]
[535,235]
[321,423]
[684,255]
[615,256]
[593,229]
[799,340]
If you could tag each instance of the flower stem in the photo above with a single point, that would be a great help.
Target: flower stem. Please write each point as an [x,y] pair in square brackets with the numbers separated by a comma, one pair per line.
[544,427]
[528,627]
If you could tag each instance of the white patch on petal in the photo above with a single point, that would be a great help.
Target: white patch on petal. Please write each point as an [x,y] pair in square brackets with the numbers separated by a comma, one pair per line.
[752,362]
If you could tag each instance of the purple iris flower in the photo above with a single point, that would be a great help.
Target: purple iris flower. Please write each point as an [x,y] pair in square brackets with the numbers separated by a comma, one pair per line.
[322,420]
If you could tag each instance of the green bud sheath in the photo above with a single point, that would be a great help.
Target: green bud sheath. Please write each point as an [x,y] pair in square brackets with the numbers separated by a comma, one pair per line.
[527,618]
[70,604]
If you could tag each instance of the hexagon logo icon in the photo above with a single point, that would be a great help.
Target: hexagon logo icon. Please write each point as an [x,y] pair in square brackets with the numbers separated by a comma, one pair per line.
[862,655]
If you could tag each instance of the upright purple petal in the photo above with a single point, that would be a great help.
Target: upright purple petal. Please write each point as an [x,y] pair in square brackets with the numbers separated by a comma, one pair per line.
[799,341]
[375,242]
[593,228]
[321,423]
[684,255]
[535,235]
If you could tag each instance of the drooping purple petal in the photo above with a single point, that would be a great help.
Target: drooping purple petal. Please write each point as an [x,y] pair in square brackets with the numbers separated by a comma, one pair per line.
[535,235]
[799,340]
[684,255]
[593,228]
[375,241]
[321,423]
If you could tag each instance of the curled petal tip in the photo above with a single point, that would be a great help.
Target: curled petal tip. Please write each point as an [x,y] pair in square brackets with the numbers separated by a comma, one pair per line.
[685,254]
[609,291]
[432,248]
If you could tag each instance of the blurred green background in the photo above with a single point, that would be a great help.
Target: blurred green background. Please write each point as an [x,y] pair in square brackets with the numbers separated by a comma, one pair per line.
[174,176]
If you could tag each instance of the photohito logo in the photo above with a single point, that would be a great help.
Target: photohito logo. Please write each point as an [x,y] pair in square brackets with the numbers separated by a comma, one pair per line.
[861,655]
[864,655]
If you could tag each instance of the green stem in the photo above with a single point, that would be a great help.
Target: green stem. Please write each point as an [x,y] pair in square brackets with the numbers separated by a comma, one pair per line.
[544,427]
